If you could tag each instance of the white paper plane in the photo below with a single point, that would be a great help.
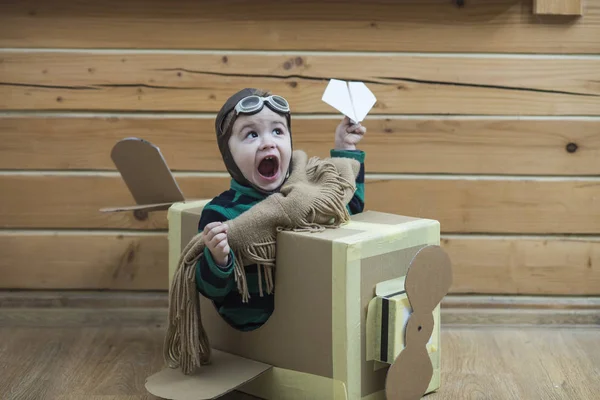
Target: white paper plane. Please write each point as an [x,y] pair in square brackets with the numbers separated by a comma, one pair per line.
[353,99]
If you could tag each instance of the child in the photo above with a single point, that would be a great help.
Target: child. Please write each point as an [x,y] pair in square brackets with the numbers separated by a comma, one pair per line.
[254,136]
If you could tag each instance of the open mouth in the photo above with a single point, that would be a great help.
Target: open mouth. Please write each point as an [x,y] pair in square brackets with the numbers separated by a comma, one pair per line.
[268,167]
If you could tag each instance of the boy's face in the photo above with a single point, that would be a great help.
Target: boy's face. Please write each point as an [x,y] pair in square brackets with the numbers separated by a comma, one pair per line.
[261,147]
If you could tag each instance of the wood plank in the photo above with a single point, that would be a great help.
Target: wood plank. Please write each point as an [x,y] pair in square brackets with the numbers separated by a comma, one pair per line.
[558,7]
[201,82]
[525,266]
[454,301]
[353,25]
[55,308]
[492,361]
[99,363]
[450,317]
[108,261]
[84,261]
[113,362]
[393,145]
[494,205]
[106,299]
[59,201]
[93,298]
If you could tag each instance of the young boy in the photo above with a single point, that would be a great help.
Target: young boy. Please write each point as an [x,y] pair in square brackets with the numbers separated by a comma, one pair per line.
[254,136]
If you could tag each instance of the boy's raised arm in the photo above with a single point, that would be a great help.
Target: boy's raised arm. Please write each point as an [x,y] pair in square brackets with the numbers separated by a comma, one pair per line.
[347,136]
[357,202]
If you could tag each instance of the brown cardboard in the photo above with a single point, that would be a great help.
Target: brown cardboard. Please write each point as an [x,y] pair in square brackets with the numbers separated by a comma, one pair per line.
[225,373]
[298,338]
[299,331]
[428,280]
[315,339]
[146,174]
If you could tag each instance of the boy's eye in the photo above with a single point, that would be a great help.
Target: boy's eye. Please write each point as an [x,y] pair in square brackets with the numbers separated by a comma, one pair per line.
[252,134]
[278,131]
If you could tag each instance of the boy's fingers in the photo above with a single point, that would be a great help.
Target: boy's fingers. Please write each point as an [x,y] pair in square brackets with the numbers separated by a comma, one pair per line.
[222,243]
[218,229]
[217,238]
[210,226]
[356,128]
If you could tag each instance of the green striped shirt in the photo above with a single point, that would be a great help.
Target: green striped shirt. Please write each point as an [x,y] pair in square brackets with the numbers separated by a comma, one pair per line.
[218,283]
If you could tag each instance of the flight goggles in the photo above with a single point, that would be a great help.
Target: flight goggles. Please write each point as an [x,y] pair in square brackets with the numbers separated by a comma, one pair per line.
[254,103]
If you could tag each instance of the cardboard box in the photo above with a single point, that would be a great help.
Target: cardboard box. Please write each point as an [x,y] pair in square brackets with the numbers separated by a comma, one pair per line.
[316,339]
[344,303]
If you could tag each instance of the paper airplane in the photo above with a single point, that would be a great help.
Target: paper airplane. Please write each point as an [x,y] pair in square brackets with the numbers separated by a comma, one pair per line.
[353,99]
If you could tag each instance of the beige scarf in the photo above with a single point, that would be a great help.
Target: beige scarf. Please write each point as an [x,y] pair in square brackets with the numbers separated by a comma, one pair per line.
[313,198]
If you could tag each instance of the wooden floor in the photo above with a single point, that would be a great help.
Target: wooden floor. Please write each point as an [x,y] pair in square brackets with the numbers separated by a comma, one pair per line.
[478,363]
[102,347]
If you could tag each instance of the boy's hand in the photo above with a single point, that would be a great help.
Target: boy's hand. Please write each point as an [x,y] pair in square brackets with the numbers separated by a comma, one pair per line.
[347,135]
[215,238]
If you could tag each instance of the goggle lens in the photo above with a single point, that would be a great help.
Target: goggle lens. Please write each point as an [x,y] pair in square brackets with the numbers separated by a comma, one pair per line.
[254,103]
[280,102]
[251,102]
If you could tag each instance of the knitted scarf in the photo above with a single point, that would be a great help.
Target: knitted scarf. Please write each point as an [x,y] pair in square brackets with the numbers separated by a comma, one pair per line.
[312,199]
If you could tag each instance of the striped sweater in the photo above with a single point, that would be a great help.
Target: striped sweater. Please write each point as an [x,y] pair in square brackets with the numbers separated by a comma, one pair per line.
[218,283]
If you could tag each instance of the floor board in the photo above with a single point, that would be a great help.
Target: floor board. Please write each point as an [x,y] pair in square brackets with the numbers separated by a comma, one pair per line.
[478,362]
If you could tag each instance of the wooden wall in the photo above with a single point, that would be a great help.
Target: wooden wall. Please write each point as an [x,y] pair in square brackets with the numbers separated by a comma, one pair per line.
[487,120]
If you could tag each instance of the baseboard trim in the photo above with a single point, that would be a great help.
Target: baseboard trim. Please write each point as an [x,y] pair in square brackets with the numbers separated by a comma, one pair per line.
[149,309]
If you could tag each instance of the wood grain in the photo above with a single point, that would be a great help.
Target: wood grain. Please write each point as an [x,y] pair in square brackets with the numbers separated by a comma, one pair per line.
[525,266]
[461,205]
[489,363]
[113,362]
[333,25]
[147,299]
[403,84]
[393,145]
[84,261]
[134,309]
[558,7]
[75,363]
[107,261]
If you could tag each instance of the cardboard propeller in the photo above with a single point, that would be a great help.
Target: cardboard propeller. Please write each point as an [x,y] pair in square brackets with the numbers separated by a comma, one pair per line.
[428,280]
[353,99]
[146,174]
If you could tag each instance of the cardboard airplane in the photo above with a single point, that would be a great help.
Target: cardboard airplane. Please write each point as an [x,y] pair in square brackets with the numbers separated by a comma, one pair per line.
[357,309]
[357,312]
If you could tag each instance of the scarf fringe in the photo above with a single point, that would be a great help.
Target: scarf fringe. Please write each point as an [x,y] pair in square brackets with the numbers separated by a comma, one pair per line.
[186,343]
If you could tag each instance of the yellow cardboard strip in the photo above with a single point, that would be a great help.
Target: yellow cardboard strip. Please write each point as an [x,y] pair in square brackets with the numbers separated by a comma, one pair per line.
[338,320]
[388,238]
[353,330]
[284,384]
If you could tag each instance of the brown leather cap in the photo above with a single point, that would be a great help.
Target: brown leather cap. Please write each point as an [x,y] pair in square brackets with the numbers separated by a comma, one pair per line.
[224,133]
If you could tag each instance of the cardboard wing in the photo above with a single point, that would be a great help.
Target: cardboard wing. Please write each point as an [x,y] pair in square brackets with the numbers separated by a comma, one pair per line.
[226,373]
[353,99]
[146,174]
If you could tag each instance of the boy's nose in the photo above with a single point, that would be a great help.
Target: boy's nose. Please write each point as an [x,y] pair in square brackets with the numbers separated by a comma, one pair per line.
[267,142]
